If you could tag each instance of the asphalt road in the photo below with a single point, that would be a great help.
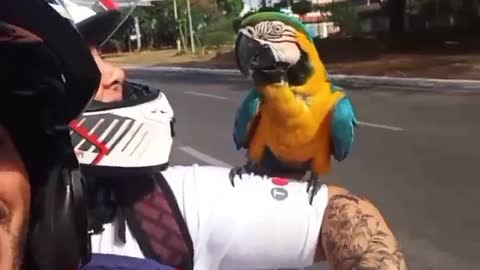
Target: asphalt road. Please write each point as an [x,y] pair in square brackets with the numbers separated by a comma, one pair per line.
[416,156]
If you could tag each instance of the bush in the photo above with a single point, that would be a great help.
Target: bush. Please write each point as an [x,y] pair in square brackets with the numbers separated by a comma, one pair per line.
[216,39]
[236,23]
[345,16]
[217,34]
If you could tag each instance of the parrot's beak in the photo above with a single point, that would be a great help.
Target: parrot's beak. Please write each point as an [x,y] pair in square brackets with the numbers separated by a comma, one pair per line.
[254,56]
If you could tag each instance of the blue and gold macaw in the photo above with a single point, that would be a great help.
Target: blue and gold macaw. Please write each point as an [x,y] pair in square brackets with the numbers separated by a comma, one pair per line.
[294,117]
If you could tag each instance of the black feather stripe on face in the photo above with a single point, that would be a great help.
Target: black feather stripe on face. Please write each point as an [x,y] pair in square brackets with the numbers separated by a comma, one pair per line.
[274,31]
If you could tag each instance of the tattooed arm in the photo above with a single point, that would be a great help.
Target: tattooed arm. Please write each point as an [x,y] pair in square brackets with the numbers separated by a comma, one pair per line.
[355,235]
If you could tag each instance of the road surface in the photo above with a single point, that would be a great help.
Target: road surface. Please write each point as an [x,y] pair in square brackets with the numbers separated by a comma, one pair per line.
[415,157]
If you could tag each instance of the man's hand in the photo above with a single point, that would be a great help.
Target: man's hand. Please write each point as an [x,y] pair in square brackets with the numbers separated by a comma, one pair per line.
[355,235]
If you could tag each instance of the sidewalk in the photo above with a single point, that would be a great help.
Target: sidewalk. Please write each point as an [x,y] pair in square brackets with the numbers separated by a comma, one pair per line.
[466,67]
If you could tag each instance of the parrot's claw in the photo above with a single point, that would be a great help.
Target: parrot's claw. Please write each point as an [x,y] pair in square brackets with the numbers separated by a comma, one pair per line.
[313,186]
[238,171]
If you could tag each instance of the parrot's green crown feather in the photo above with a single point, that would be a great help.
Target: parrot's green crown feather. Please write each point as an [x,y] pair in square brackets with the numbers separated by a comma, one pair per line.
[275,16]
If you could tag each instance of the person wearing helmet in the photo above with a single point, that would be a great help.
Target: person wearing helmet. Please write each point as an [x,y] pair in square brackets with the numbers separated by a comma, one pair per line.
[118,100]
[96,24]
[195,217]
[48,77]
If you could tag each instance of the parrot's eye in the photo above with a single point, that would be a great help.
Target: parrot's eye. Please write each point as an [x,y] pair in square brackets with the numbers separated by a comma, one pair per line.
[277,29]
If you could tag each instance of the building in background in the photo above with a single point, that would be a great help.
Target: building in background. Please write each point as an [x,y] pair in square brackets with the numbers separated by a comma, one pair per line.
[319,22]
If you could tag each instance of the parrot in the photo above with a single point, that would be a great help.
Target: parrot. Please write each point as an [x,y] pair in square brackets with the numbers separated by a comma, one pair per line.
[294,118]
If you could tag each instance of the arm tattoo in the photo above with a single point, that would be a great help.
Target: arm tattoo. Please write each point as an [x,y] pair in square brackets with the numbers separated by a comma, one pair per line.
[355,236]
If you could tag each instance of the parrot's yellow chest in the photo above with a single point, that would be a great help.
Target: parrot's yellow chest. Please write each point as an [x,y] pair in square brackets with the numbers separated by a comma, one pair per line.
[298,129]
[295,121]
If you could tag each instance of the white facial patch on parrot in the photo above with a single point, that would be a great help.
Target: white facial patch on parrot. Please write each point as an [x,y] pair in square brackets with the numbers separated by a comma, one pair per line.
[281,38]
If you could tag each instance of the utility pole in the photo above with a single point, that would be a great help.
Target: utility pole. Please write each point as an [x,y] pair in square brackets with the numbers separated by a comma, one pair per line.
[190,26]
[175,13]
[138,34]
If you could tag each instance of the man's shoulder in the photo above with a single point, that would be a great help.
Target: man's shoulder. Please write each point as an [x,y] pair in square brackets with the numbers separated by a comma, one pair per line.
[355,234]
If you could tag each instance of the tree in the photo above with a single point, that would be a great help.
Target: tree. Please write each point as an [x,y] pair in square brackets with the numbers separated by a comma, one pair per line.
[217,34]
[468,12]
[157,23]
[344,15]
[231,7]
[282,4]
[397,15]
[159,27]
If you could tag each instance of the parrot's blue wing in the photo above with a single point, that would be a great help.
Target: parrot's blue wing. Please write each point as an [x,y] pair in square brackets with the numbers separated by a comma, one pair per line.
[246,119]
[344,122]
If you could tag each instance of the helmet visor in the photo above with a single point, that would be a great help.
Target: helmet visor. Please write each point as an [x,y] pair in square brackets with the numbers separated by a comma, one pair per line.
[99,20]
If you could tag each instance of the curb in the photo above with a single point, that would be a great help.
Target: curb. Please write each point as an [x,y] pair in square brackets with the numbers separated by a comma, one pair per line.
[351,81]
[186,70]
[359,81]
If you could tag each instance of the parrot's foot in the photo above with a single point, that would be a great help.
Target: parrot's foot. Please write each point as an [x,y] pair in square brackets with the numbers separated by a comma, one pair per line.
[238,171]
[313,186]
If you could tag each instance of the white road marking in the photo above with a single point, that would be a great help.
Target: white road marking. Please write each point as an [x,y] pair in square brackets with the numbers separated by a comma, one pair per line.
[204,157]
[373,125]
[205,95]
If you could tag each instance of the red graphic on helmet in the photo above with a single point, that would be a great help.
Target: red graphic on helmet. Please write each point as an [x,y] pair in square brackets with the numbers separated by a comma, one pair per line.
[109,4]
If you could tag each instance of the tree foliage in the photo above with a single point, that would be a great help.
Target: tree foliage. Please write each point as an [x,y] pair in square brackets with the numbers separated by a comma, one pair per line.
[211,23]
[212,20]
[344,15]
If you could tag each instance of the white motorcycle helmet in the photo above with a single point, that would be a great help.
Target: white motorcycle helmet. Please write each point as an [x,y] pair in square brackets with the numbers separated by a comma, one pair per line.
[129,137]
